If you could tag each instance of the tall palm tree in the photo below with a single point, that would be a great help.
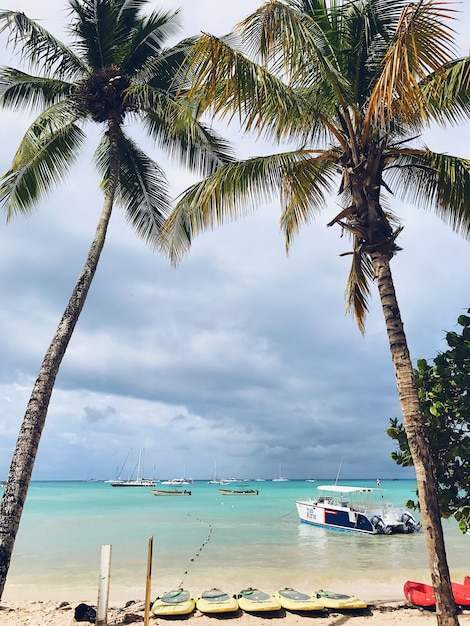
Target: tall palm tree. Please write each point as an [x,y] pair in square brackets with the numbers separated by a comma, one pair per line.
[352,84]
[115,69]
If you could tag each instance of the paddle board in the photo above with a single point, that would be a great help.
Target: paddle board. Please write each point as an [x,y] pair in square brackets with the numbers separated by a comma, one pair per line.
[293,600]
[332,600]
[216,601]
[255,600]
[175,602]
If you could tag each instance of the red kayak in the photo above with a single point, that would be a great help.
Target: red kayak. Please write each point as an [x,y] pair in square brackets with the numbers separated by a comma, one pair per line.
[421,594]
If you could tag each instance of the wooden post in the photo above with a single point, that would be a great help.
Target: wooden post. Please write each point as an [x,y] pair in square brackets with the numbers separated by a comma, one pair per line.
[103,588]
[148,581]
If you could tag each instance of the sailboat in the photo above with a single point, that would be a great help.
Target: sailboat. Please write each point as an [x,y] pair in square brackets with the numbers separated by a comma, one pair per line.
[280,478]
[140,481]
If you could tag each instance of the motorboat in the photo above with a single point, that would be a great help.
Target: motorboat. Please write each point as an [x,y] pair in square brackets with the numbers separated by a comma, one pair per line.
[178,481]
[170,492]
[358,509]
[239,492]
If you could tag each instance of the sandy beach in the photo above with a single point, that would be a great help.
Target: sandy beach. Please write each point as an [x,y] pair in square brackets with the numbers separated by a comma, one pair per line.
[383,612]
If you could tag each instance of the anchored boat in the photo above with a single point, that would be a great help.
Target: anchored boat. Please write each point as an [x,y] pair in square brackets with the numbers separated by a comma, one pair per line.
[356,509]
[239,492]
[170,492]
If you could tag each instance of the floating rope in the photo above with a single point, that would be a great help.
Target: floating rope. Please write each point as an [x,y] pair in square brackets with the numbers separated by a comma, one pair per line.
[199,549]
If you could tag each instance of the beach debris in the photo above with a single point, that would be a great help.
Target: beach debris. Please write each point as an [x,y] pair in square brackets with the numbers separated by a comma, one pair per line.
[130,618]
[85,613]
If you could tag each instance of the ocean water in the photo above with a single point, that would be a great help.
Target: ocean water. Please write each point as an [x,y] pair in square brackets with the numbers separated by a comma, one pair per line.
[205,540]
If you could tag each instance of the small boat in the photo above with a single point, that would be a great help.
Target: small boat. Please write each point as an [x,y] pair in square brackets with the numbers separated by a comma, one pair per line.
[175,602]
[140,481]
[239,492]
[178,481]
[419,594]
[356,509]
[170,492]
[280,478]
[422,594]
[254,600]
[333,600]
[216,601]
[293,600]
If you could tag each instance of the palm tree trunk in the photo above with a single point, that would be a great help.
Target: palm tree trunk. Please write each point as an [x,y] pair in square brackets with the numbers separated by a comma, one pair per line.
[21,468]
[446,610]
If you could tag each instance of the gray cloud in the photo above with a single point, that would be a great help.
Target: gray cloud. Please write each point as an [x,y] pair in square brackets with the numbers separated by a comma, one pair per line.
[241,356]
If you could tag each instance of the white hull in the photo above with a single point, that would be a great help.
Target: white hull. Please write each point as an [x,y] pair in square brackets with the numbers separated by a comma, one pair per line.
[339,511]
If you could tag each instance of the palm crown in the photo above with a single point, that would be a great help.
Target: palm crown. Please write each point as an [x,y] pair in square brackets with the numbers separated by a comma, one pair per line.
[353,84]
[115,67]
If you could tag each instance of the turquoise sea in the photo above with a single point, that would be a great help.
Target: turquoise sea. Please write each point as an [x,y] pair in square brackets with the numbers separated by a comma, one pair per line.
[205,540]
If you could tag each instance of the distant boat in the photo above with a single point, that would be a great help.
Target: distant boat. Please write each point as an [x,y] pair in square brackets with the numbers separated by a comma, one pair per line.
[280,478]
[140,481]
[170,492]
[239,492]
[178,481]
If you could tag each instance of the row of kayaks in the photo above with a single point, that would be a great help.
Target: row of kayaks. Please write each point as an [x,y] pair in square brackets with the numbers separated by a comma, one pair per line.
[182,602]
[421,594]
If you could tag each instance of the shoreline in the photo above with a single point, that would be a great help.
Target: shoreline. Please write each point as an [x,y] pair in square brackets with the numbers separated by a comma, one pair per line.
[378,613]
[387,606]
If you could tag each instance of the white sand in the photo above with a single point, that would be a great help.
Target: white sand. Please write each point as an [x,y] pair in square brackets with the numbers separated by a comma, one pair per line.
[381,612]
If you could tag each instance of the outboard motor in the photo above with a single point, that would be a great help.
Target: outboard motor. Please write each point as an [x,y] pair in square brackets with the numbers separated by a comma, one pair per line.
[411,524]
[380,526]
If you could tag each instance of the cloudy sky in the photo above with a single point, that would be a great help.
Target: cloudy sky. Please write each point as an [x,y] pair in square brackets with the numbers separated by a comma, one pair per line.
[241,357]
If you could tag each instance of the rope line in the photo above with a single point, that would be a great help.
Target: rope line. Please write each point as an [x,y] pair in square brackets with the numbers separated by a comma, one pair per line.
[198,552]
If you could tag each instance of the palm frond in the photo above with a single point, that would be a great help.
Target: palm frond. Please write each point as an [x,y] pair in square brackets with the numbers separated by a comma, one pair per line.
[295,45]
[437,182]
[447,93]
[39,48]
[148,39]
[357,292]
[231,85]
[229,193]
[423,44]
[142,188]
[175,128]
[304,191]
[43,159]
[19,90]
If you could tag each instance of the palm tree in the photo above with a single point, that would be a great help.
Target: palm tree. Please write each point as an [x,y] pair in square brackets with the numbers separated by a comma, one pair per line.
[116,69]
[352,84]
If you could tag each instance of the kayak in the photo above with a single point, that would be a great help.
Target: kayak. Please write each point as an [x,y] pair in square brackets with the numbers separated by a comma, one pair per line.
[175,602]
[422,594]
[333,600]
[255,600]
[216,601]
[293,600]
[419,594]
[461,593]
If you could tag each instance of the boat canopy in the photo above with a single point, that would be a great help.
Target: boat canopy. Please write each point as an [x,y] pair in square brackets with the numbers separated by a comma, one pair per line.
[345,489]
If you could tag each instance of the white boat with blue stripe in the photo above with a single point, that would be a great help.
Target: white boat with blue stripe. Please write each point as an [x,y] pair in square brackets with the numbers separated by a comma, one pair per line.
[357,509]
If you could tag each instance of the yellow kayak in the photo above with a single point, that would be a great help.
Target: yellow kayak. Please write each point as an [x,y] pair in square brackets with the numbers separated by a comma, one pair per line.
[332,600]
[293,600]
[255,600]
[175,602]
[216,601]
